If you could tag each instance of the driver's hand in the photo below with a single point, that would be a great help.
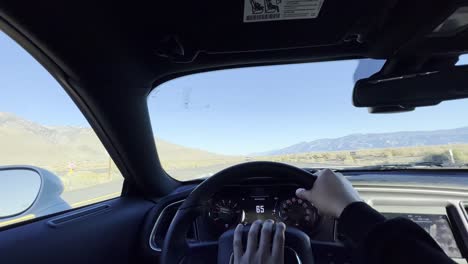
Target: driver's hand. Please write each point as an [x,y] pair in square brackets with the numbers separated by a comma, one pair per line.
[270,249]
[331,193]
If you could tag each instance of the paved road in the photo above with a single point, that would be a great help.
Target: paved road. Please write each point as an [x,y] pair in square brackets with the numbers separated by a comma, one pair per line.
[79,198]
[92,194]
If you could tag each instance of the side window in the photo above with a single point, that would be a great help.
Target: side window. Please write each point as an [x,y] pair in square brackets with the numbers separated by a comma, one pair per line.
[50,158]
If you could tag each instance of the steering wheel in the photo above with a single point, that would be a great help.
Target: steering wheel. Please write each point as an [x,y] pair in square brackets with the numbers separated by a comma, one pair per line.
[177,250]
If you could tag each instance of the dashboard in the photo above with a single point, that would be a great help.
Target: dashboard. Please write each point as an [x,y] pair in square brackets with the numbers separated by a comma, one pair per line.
[247,203]
[438,204]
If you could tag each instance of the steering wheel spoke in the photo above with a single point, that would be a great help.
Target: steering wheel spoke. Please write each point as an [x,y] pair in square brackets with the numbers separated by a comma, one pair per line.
[298,246]
[201,252]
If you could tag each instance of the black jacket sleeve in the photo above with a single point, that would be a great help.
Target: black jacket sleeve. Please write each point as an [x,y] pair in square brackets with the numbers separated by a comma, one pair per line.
[382,241]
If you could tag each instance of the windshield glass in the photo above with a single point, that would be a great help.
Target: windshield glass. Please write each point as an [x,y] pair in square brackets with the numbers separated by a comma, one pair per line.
[300,114]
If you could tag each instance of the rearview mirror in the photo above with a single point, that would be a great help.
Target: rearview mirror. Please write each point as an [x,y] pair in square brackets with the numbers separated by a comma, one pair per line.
[19,188]
[406,92]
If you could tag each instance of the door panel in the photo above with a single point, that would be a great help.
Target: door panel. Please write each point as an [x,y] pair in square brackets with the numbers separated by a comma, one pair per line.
[103,233]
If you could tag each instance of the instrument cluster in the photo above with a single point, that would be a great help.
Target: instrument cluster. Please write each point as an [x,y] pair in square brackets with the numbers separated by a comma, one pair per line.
[245,204]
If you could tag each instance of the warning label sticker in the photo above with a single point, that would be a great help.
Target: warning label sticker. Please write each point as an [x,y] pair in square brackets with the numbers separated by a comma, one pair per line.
[271,10]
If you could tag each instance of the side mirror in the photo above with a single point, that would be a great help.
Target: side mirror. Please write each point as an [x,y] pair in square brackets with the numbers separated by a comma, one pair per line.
[19,188]
[28,192]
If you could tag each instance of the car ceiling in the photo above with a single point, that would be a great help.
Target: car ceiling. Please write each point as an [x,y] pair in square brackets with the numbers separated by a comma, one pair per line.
[108,55]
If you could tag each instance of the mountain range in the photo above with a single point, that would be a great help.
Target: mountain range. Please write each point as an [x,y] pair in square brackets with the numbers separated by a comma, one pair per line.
[25,142]
[377,140]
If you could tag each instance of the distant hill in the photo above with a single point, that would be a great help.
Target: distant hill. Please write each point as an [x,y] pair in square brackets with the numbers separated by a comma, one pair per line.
[377,140]
[26,142]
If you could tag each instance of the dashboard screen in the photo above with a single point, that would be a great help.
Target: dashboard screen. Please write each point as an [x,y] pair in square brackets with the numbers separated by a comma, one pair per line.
[259,208]
[438,227]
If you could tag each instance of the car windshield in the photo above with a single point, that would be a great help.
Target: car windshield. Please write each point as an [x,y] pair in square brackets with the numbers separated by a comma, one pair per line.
[301,114]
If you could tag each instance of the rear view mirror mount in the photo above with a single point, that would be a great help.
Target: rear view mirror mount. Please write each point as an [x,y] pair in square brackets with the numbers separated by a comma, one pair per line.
[402,93]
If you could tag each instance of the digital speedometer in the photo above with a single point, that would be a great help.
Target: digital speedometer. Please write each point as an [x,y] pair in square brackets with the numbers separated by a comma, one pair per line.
[297,212]
[258,208]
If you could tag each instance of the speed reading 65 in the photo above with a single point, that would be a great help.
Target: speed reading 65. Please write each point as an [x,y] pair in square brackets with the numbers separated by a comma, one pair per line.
[260,209]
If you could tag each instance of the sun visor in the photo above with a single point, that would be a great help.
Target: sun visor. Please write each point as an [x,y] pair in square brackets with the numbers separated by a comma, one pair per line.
[251,25]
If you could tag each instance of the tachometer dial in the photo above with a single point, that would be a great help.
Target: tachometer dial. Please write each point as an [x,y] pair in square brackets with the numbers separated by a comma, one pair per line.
[298,212]
[226,213]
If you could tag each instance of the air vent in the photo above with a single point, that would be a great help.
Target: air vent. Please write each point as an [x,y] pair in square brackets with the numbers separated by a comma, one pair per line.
[464,207]
[458,218]
[162,225]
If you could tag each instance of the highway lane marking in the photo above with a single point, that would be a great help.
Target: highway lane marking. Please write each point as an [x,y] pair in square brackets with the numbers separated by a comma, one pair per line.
[17,220]
[97,199]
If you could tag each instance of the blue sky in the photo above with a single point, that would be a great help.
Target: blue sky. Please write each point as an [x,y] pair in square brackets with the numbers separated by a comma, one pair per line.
[236,111]
[256,109]
[29,91]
